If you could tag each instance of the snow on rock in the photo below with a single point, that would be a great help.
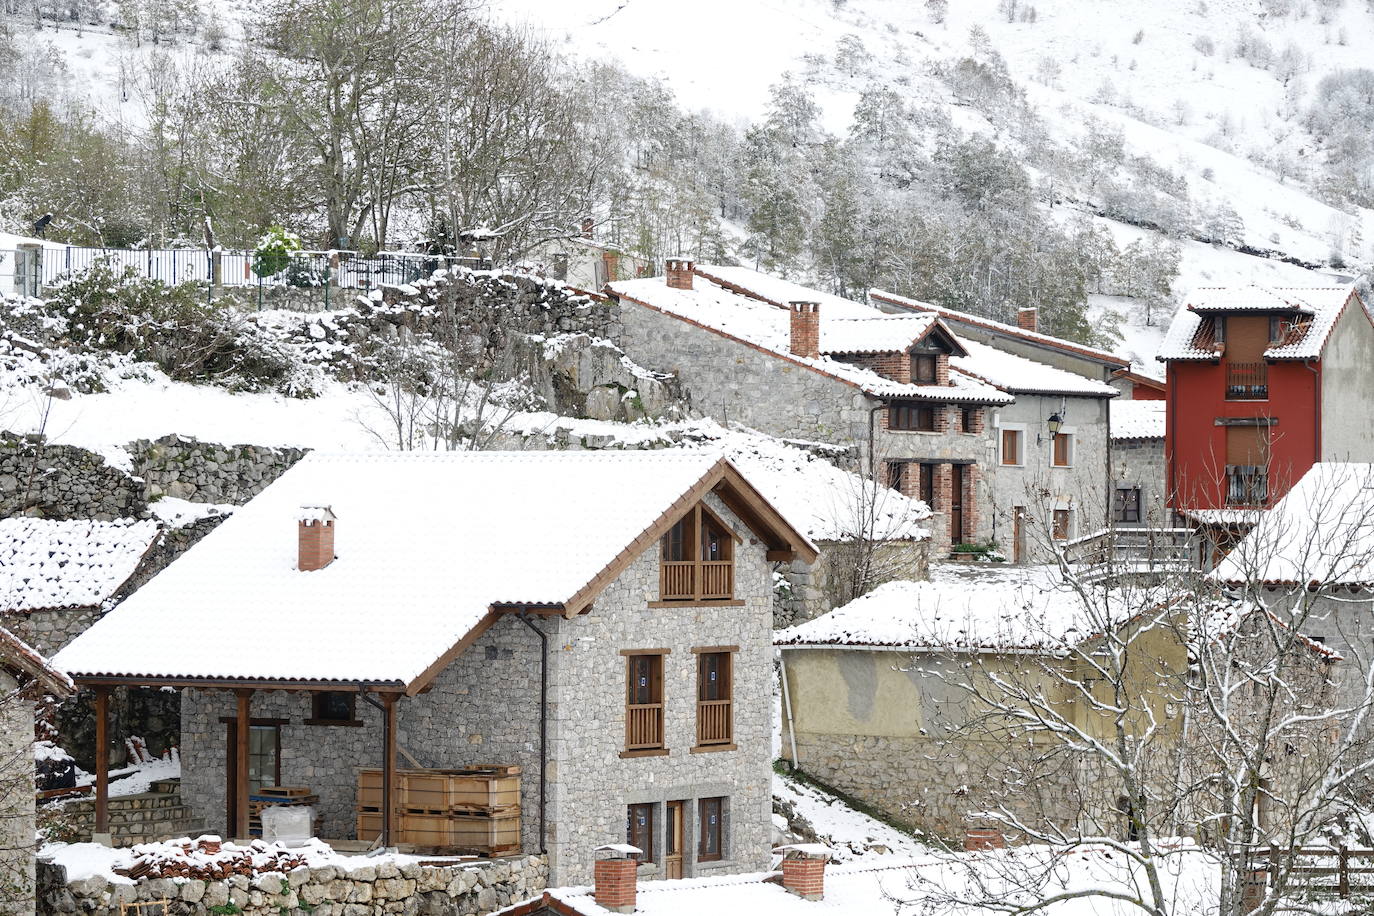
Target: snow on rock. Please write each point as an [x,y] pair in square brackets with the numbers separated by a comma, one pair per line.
[848,835]
[1138,419]
[177,512]
[61,564]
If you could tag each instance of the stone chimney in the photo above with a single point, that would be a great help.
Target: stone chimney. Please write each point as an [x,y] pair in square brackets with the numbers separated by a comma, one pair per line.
[1026,319]
[680,272]
[588,224]
[315,538]
[614,877]
[806,329]
[803,869]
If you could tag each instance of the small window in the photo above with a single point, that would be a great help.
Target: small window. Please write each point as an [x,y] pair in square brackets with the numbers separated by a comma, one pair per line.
[333,707]
[896,475]
[1063,450]
[711,816]
[643,702]
[697,559]
[927,491]
[923,366]
[918,417]
[1062,523]
[715,714]
[1126,505]
[1011,447]
[1219,328]
[968,419]
[639,829]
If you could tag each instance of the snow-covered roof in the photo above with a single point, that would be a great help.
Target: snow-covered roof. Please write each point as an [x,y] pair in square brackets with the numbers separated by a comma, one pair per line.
[782,292]
[970,609]
[1138,419]
[1229,518]
[873,334]
[425,545]
[60,564]
[21,658]
[768,327]
[999,327]
[825,502]
[1320,533]
[1017,374]
[1318,309]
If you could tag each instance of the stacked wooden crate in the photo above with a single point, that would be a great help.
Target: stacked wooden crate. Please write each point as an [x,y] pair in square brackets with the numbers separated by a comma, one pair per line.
[291,796]
[474,809]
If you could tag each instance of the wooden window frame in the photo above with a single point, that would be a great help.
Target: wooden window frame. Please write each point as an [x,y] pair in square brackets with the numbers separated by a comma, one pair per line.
[643,720]
[1125,507]
[926,484]
[1065,438]
[922,378]
[1056,532]
[968,418]
[316,699]
[897,472]
[650,826]
[1020,456]
[719,742]
[698,581]
[703,829]
[907,418]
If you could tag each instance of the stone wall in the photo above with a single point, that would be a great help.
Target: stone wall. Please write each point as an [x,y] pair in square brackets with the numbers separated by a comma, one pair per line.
[825,585]
[1140,463]
[207,472]
[16,800]
[405,890]
[484,709]
[63,481]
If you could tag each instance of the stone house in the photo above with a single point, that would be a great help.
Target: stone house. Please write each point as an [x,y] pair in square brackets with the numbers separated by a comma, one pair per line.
[877,700]
[25,676]
[796,363]
[583,262]
[1138,470]
[601,620]
[963,423]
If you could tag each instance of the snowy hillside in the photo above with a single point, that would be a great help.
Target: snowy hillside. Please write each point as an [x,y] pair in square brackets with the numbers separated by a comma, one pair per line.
[1213,93]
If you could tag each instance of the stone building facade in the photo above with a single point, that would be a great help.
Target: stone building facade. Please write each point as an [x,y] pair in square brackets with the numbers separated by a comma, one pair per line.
[484,708]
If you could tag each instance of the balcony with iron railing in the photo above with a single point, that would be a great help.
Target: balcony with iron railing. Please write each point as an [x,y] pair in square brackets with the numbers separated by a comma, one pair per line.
[1246,486]
[1247,381]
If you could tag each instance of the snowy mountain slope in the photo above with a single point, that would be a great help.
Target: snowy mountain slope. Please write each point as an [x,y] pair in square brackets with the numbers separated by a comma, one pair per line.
[1213,92]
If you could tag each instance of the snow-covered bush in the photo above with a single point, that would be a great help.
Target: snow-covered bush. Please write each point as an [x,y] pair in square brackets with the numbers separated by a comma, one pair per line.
[273,252]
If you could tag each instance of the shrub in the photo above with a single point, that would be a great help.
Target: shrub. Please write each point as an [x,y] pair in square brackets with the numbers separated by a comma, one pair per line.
[273,252]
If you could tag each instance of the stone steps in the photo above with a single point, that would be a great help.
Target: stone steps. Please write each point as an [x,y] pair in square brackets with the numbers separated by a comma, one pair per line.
[146,817]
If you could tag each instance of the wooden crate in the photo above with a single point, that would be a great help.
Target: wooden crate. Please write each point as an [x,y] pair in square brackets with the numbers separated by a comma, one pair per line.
[475,791]
[369,825]
[486,832]
[426,829]
[467,789]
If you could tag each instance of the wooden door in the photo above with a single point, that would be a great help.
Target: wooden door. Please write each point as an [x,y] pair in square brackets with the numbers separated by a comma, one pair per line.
[264,764]
[956,504]
[1018,534]
[672,857]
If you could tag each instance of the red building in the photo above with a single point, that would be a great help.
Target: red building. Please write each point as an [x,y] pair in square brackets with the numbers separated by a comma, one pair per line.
[1261,384]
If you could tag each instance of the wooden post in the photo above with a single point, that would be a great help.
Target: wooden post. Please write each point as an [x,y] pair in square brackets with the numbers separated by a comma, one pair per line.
[1344,878]
[242,727]
[388,769]
[102,760]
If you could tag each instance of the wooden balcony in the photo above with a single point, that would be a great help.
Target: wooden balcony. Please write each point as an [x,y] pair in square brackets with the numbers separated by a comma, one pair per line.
[1247,382]
[706,580]
[643,726]
[715,722]
[1246,485]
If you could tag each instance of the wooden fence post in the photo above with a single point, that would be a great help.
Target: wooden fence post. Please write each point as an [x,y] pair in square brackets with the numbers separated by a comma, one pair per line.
[1344,874]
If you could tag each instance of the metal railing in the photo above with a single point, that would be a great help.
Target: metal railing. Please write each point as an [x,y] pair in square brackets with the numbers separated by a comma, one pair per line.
[1247,381]
[1133,551]
[1246,485]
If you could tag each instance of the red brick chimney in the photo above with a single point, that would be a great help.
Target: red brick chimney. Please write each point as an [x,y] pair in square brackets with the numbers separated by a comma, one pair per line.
[315,538]
[680,272]
[1026,319]
[803,869]
[588,224]
[806,329]
[614,877]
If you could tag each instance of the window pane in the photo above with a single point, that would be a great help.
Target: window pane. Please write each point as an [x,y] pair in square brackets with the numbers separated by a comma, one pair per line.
[1011,446]
[712,676]
[262,756]
[928,484]
[639,829]
[710,812]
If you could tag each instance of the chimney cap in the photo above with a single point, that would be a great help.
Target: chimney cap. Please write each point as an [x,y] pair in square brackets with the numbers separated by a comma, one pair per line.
[621,850]
[805,851]
[314,514]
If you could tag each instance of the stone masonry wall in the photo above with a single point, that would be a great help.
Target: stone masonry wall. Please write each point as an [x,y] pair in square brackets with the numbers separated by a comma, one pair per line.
[16,801]
[405,890]
[63,481]
[207,472]
[594,783]
[484,709]
[1140,463]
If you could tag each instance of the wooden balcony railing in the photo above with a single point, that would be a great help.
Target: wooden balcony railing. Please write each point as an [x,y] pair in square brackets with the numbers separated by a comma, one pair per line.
[679,579]
[715,722]
[1246,485]
[1247,382]
[643,726]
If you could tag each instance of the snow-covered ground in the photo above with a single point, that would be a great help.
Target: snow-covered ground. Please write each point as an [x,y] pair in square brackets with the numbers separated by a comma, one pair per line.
[851,835]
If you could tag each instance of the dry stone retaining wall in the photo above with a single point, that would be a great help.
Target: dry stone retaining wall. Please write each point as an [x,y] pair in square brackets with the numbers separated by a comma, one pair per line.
[405,890]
